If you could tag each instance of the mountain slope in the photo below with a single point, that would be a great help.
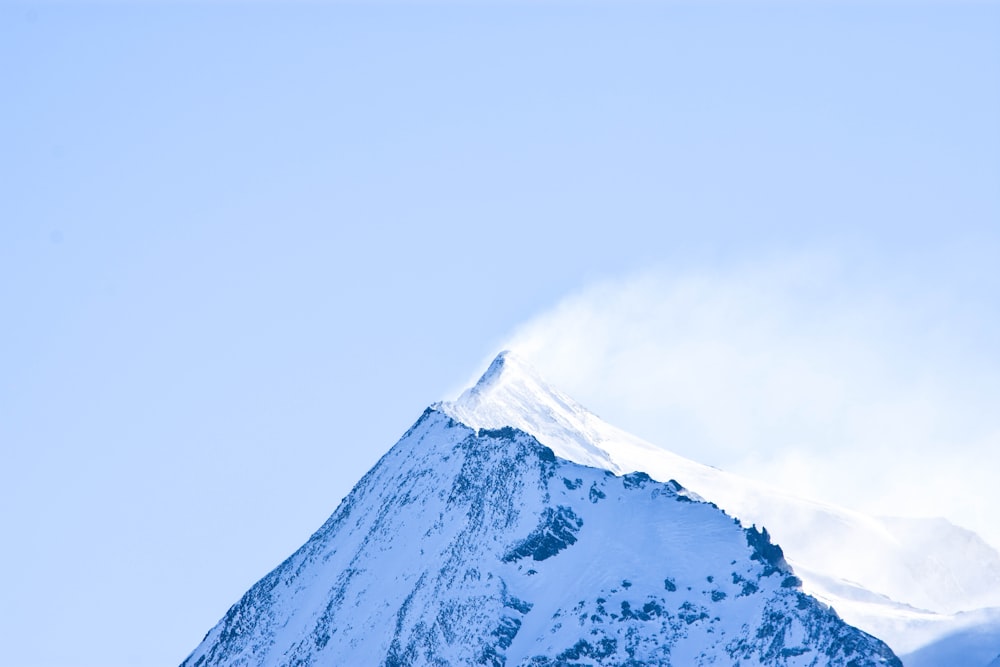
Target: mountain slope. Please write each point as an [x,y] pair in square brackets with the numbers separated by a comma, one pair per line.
[969,638]
[466,546]
[905,580]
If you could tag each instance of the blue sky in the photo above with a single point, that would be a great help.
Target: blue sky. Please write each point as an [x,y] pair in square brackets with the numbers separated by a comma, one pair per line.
[243,245]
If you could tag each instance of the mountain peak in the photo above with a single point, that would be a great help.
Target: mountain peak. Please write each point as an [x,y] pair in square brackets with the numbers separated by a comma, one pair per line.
[465,459]
[511,393]
[505,363]
[506,369]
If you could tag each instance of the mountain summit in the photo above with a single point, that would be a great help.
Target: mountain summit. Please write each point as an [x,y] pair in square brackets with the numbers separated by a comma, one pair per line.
[511,393]
[474,542]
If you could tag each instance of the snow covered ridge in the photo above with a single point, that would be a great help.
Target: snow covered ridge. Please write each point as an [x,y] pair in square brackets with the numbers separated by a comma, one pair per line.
[930,589]
[480,546]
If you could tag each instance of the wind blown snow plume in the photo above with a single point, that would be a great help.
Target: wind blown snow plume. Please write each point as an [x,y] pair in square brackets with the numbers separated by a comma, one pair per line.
[794,373]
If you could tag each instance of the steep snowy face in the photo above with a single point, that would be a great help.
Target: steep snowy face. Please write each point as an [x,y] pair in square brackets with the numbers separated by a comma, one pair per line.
[903,580]
[465,546]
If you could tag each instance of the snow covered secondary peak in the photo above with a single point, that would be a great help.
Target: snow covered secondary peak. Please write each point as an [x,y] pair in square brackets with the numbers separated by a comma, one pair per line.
[910,582]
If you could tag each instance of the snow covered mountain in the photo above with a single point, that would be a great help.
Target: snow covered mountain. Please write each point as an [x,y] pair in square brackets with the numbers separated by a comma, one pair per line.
[476,544]
[930,589]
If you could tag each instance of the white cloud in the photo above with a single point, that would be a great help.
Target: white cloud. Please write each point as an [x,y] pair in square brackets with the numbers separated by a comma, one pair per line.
[795,372]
